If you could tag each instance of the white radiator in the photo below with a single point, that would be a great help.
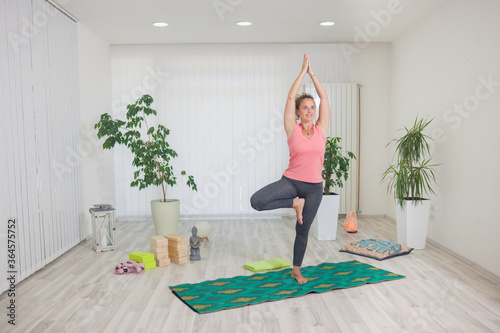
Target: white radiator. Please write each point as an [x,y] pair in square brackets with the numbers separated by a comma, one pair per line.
[344,123]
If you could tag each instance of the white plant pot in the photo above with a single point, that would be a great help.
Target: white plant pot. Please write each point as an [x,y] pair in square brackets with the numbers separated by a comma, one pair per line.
[326,220]
[165,216]
[412,222]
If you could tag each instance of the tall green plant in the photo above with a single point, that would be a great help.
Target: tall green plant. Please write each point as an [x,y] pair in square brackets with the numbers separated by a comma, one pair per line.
[335,165]
[412,176]
[152,153]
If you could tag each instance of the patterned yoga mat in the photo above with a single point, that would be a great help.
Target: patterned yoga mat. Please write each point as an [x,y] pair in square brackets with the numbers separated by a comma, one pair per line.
[215,295]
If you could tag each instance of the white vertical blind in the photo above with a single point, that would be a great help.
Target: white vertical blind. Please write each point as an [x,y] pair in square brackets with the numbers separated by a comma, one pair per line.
[224,106]
[344,123]
[41,173]
[220,103]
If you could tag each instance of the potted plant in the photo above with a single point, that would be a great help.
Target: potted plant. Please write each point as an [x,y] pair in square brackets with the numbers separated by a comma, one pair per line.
[152,157]
[335,172]
[410,178]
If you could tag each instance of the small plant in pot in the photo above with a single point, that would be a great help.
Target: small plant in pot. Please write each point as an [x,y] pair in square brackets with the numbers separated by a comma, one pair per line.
[336,165]
[335,171]
[152,157]
[411,178]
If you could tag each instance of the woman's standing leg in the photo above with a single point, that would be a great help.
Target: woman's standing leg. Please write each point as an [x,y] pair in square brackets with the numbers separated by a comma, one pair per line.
[313,194]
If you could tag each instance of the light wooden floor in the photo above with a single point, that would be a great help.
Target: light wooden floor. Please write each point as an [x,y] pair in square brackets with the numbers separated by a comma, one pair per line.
[79,292]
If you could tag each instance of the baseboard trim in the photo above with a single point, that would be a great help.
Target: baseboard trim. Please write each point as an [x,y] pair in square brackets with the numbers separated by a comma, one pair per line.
[460,257]
[234,217]
[468,261]
[211,217]
[242,216]
[370,215]
[392,219]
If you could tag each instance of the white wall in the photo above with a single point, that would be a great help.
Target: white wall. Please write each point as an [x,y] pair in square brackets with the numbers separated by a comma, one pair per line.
[442,68]
[370,68]
[95,99]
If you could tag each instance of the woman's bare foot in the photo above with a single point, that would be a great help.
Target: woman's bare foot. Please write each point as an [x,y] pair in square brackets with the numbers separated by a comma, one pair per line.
[298,276]
[298,205]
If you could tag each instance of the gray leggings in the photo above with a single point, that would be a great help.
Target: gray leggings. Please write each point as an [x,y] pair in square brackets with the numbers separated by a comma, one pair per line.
[280,194]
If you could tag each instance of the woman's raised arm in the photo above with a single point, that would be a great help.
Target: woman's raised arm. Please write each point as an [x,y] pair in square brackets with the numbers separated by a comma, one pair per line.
[324,106]
[289,117]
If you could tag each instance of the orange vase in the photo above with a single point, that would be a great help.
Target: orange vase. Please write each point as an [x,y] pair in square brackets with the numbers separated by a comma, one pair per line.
[351,222]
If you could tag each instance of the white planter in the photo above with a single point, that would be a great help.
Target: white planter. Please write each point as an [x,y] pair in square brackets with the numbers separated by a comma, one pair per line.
[325,222]
[165,216]
[412,223]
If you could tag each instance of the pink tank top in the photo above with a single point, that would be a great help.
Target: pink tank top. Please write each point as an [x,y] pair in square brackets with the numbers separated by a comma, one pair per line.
[306,156]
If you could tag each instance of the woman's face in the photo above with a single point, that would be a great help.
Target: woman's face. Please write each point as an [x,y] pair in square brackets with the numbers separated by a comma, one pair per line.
[307,110]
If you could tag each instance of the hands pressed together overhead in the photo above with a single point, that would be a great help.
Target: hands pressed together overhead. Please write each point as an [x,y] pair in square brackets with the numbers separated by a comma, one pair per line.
[306,65]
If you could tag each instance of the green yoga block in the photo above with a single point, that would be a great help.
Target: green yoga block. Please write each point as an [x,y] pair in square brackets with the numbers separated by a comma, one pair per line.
[141,256]
[266,265]
[149,265]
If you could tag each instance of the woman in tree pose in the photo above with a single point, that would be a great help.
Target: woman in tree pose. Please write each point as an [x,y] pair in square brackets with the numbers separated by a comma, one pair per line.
[300,187]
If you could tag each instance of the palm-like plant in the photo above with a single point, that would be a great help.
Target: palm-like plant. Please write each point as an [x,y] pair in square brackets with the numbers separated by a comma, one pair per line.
[152,153]
[335,165]
[412,176]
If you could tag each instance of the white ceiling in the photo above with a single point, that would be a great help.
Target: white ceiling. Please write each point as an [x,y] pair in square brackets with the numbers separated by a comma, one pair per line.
[274,21]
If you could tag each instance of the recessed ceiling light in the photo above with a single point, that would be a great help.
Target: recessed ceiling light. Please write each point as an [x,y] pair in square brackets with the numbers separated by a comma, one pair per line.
[244,23]
[327,23]
[160,24]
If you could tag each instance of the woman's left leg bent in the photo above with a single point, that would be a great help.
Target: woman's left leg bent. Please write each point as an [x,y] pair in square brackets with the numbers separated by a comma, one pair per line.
[279,194]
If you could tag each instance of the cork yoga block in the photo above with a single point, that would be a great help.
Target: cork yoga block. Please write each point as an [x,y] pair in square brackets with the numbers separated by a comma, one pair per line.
[163,262]
[158,241]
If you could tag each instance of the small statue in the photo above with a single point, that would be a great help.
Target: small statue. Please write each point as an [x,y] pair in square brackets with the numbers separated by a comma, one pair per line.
[194,242]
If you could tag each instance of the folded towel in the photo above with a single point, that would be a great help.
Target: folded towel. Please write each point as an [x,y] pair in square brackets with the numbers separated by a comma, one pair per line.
[265,265]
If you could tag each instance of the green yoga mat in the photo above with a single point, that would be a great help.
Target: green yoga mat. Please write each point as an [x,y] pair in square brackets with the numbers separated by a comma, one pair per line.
[267,265]
[215,295]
